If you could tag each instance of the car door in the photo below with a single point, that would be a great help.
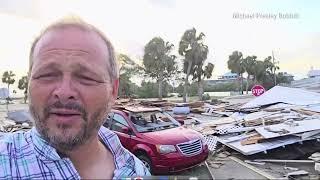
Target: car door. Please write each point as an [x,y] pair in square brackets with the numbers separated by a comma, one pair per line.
[117,123]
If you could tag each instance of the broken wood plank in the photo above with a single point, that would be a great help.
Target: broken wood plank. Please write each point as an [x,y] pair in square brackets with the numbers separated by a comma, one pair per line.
[252,140]
[305,112]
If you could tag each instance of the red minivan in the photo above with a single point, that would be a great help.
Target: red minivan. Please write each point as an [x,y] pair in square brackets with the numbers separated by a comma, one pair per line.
[157,139]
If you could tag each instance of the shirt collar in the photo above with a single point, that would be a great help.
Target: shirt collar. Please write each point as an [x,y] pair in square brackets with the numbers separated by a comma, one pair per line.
[111,141]
[42,148]
[46,152]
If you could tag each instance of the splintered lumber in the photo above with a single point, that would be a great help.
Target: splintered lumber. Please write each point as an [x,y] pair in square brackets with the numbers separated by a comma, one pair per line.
[197,110]
[274,110]
[252,140]
[306,112]
[266,120]
[196,104]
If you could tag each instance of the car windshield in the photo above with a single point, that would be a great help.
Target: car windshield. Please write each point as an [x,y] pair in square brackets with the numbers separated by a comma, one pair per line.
[153,121]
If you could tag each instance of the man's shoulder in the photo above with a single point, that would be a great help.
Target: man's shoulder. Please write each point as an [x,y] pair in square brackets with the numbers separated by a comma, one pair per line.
[13,142]
[125,159]
[109,136]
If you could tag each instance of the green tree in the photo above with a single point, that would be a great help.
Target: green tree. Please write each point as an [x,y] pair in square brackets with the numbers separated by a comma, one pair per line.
[194,51]
[200,74]
[271,68]
[263,72]
[283,79]
[8,78]
[128,69]
[150,89]
[260,73]
[235,64]
[23,85]
[158,61]
[249,64]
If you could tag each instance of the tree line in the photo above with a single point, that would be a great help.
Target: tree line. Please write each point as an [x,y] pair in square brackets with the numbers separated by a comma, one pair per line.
[8,77]
[160,66]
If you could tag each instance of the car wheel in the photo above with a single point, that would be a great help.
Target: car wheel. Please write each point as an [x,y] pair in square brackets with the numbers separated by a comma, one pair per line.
[146,161]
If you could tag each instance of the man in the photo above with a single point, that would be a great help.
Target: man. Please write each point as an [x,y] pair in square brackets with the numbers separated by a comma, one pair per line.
[73,82]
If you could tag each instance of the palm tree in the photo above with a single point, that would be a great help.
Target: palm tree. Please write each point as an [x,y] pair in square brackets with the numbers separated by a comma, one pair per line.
[200,74]
[23,85]
[249,64]
[193,50]
[260,74]
[8,78]
[235,64]
[271,67]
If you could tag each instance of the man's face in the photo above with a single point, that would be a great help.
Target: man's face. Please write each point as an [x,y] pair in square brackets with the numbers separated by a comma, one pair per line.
[70,87]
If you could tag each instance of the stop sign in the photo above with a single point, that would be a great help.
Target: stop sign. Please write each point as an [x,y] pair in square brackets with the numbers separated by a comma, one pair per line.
[257,90]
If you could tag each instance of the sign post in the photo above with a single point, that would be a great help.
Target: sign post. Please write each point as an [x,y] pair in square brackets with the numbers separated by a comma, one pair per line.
[258,90]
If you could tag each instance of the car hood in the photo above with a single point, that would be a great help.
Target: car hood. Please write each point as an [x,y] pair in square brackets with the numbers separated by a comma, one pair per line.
[172,136]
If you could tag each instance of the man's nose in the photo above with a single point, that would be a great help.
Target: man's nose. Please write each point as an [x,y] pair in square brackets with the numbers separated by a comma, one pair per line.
[65,91]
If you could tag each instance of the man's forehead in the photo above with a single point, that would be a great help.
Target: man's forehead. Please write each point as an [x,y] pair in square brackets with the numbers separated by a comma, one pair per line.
[74,39]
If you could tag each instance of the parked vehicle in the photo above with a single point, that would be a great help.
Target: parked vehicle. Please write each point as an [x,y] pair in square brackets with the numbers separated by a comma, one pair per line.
[157,139]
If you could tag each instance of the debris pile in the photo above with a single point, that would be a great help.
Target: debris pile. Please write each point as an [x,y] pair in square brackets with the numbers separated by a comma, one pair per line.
[19,120]
[280,117]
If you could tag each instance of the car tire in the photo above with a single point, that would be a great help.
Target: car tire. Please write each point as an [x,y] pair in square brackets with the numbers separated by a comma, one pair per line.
[146,161]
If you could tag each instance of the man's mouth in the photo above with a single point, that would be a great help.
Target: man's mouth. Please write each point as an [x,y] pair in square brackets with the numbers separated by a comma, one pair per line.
[65,115]
[65,112]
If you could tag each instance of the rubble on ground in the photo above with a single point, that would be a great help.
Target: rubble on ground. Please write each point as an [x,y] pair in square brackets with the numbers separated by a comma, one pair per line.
[18,120]
[248,124]
[280,117]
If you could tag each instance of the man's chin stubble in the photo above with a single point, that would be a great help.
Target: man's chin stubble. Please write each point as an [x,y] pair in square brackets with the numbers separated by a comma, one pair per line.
[59,141]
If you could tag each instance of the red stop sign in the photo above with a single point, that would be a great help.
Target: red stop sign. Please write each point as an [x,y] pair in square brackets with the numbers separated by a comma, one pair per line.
[257,90]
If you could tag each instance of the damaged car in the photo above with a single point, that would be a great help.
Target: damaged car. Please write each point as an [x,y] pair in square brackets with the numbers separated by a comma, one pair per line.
[157,139]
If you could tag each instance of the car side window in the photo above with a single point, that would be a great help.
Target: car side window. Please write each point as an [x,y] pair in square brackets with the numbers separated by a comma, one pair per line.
[118,123]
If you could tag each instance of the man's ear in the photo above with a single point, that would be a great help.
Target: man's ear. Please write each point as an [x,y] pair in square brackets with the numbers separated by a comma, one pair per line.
[115,88]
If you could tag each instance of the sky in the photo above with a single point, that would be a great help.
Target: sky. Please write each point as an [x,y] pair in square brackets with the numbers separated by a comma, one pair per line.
[254,27]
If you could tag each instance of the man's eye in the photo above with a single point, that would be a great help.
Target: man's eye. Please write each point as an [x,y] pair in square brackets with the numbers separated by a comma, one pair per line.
[87,80]
[47,76]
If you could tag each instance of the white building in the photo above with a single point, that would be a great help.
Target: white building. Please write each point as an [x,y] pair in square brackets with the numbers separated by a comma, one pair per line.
[313,73]
[229,76]
[4,93]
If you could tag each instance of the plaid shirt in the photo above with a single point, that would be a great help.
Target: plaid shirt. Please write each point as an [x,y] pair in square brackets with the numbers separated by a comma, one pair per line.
[28,156]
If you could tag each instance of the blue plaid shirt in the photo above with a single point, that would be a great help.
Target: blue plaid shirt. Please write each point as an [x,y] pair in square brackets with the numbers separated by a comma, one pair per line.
[28,156]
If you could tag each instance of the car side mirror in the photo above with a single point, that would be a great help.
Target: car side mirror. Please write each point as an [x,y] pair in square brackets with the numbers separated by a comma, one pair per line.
[126,130]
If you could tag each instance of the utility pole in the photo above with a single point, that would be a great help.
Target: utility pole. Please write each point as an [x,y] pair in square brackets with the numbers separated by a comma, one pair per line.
[274,70]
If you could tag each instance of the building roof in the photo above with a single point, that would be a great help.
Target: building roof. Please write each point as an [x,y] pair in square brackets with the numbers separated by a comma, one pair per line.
[287,74]
[314,73]
[230,74]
